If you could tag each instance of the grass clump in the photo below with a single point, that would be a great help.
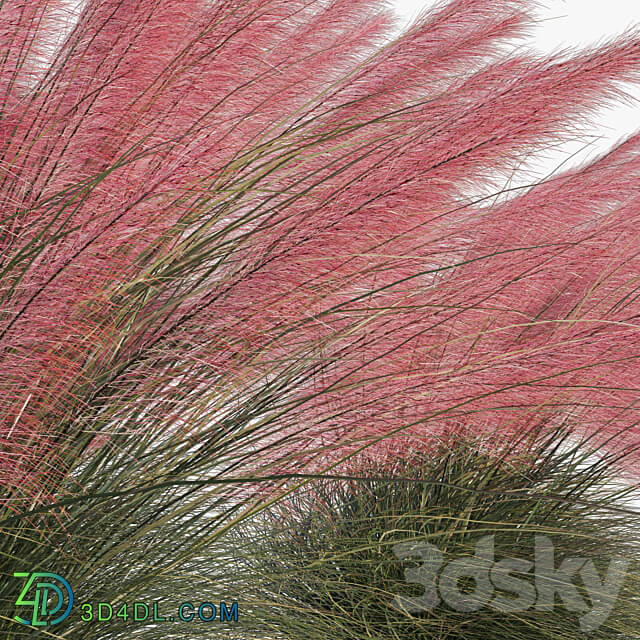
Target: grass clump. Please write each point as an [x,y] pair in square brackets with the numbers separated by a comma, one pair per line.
[465,542]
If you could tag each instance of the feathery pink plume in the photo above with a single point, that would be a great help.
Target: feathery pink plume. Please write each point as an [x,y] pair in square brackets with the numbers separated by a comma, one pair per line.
[253,196]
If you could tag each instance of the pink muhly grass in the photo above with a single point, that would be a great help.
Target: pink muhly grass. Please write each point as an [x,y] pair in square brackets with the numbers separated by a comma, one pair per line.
[250,223]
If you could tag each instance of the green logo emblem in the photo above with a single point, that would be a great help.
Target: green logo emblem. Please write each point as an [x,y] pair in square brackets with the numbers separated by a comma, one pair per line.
[45,594]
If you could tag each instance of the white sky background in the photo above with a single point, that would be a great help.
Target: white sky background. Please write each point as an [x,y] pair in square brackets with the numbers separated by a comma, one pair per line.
[573,23]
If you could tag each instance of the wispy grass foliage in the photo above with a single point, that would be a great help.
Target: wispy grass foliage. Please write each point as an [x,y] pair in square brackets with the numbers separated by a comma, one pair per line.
[330,561]
[239,242]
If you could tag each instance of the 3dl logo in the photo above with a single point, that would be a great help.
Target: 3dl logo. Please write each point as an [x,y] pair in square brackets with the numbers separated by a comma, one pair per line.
[45,594]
